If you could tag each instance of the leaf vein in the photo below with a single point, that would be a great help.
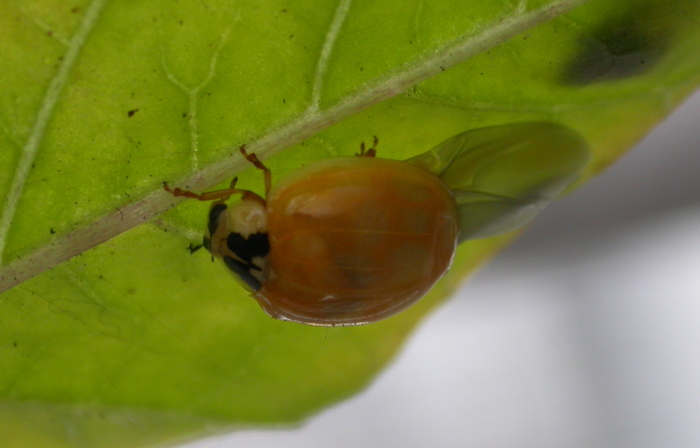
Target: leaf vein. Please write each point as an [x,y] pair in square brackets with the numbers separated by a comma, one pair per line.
[341,13]
[46,108]
[44,27]
[193,94]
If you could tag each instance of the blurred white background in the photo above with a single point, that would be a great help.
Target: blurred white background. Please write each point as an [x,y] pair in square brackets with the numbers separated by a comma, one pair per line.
[584,333]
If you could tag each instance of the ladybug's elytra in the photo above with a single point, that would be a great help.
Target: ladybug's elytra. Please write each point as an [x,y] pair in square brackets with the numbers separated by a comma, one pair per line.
[352,240]
[344,241]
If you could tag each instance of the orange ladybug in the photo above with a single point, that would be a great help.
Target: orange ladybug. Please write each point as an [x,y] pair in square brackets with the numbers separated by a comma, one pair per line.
[349,241]
[344,241]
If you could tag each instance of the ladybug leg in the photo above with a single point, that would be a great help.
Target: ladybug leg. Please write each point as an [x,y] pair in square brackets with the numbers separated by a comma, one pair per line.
[371,152]
[267,174]
[218,195]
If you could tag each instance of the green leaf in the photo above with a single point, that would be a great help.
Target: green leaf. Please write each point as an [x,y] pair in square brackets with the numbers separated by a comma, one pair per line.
[112,333]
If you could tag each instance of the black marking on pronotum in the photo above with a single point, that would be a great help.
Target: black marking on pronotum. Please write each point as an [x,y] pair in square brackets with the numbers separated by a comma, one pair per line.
[214,213]
[206,242]
[256,245]
[242,270]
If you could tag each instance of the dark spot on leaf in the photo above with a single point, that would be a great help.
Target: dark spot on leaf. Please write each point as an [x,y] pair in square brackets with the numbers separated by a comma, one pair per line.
[49,33]
[132,112]
[620,48]
[14,344]
[52,231]
[184,115]
[75,9]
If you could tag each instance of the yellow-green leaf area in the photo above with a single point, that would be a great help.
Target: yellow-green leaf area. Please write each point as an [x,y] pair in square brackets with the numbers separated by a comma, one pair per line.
[136,341]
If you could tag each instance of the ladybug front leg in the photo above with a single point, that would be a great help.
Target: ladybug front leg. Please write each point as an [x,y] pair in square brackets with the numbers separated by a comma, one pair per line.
[218,195]
[267,174]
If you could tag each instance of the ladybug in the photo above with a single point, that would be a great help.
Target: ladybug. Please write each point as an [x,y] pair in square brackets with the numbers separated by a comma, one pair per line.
[344,241]
[352,240]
